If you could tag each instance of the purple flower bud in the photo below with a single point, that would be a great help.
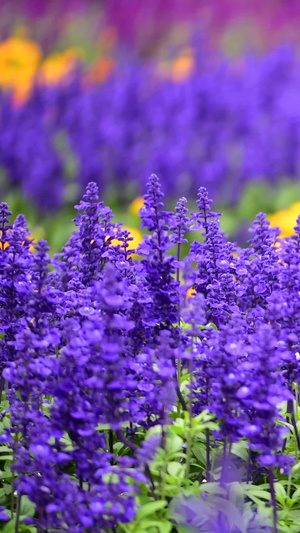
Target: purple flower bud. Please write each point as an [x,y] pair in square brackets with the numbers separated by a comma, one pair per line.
[243,392]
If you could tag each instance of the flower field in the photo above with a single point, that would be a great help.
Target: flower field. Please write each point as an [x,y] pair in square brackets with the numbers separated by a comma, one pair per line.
[149,336]
[149,390]
[192,115]
[194,122]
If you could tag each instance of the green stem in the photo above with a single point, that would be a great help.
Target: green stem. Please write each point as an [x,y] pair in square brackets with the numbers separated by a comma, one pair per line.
[273,499]
[294,423]
[289,485]
[248,467]
[2,388]
[18,512]
[224,462]
[190,413]
[133,447]
[12,498]
[165,463]
[208,465]
[180,397]
[178,259]
[111,445]
[179,369]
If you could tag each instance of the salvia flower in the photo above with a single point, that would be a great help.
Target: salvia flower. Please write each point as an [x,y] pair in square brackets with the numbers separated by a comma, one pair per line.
[98,346]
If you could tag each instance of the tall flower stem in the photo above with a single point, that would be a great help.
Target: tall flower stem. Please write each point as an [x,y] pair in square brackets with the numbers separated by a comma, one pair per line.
[163,446]
[273,499]
[297,394]
[12,496]
[291,411]
[288,490]
[208,465]
[111,445]
[224,462]
[133,447]
[248,466]
[2,386]
[177,386]
[190,414]
[180,397]
[178,259]
[18,512]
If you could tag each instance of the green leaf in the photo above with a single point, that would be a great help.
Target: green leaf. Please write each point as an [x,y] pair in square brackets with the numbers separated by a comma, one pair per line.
[280,491]
[188,327]
[9,527]
[162,525]
[213,488]
[211,325]
[150,508]
[118,446]
[296,468]
[5,474]
[236,493]
[296,494]
[240,449]
[111,478]
[165,527]
[174,444]
[200,454]
[7,488]
[190,529]
[283,528]
[176,469]
[256,492]
[5,449]
[177,455]
[27,507]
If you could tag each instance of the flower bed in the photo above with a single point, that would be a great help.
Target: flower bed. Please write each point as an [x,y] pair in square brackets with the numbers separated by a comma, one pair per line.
[204,121]
[150,393]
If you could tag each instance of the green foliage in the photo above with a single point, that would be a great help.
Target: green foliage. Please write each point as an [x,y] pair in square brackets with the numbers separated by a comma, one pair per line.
[181,490]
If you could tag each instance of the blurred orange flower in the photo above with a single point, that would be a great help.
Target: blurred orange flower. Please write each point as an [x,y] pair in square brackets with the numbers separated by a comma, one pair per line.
[183,65]
[19,61]
[58,66]
[101,70]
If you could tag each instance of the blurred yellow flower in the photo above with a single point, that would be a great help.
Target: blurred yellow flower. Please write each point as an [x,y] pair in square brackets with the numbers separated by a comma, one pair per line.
[39,233]
[135,234]
[58,66]
[3,245]
[190,293]
[286,219]
[183,65]
[136,205]
[19,60]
